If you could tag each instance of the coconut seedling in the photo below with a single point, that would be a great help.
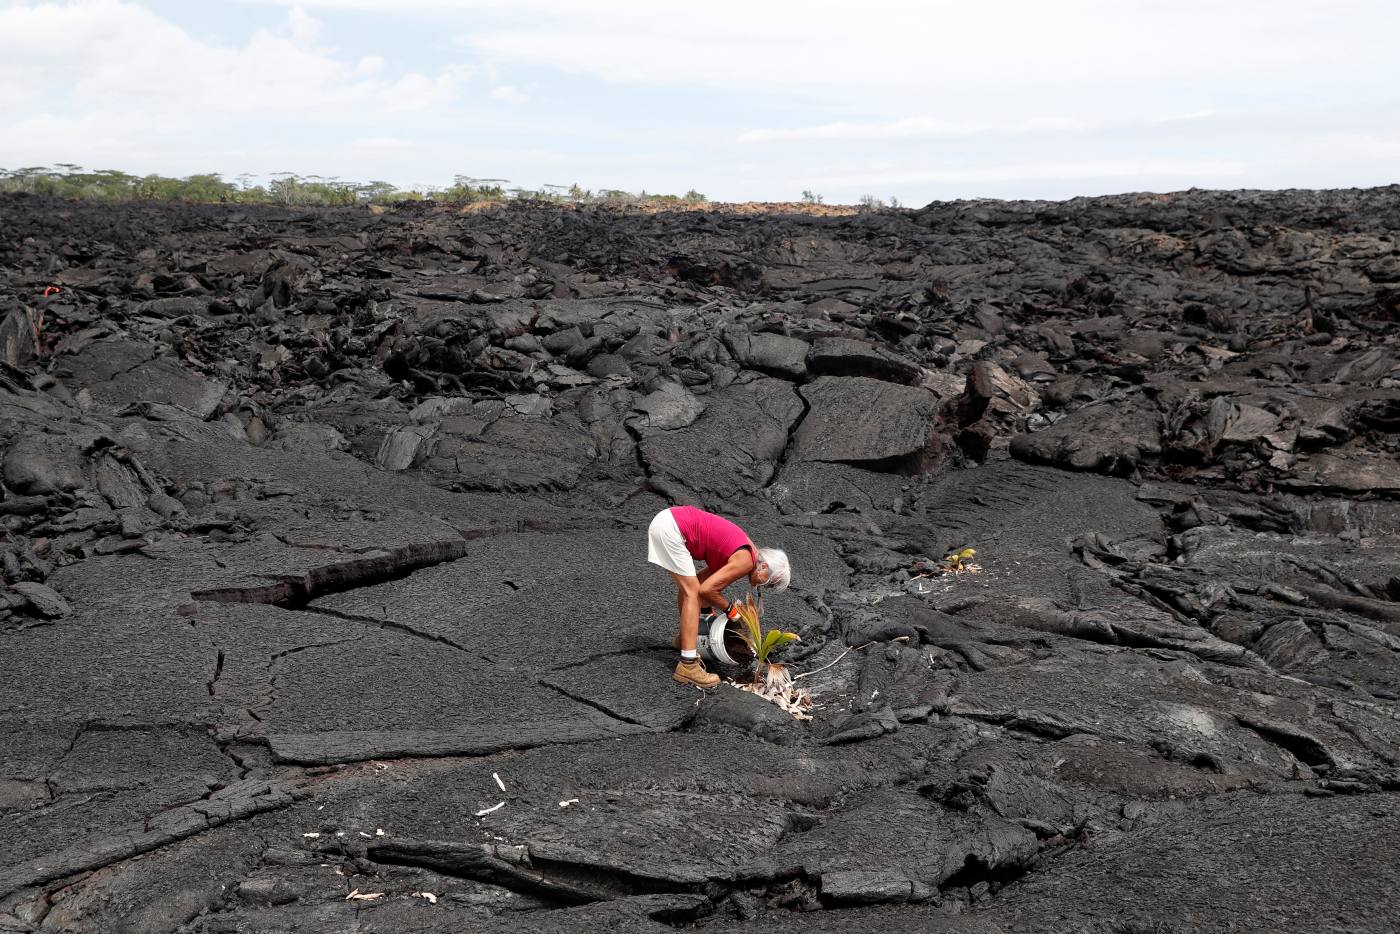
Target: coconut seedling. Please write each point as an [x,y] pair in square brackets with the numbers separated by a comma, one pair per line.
[959,561]
[771,680]
[762,644]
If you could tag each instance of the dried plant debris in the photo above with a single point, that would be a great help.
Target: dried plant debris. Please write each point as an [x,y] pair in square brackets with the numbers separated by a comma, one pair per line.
[777,685]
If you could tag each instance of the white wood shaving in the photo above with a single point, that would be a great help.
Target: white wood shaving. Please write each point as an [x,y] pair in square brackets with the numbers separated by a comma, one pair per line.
[499,783]
[485,811]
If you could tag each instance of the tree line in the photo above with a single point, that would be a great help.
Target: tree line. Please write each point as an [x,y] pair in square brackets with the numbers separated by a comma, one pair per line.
[65,180]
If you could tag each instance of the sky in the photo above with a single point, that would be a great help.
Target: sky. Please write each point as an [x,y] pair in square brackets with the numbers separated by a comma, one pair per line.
[738,99]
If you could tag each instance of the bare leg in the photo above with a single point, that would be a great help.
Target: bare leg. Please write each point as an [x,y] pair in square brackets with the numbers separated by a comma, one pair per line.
[688,605]
[702,576]
[690,670]
[680,604]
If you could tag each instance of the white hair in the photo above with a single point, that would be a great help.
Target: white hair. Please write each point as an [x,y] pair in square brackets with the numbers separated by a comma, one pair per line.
[779,572]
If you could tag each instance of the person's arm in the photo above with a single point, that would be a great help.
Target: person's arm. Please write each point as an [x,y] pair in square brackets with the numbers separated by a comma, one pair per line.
[712,588]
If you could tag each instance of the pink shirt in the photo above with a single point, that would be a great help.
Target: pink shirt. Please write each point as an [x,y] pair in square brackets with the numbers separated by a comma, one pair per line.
[710,538]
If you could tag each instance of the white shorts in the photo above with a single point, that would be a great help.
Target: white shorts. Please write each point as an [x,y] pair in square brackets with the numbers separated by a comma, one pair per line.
[666,545]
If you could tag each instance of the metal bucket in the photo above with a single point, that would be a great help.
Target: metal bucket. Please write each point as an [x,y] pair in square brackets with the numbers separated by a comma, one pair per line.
[721,641]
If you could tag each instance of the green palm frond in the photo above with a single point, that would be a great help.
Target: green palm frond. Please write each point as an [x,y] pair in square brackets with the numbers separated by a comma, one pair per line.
[957,560]
[774,639]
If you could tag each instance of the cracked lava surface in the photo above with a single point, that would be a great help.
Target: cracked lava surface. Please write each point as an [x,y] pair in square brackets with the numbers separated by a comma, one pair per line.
[326,606]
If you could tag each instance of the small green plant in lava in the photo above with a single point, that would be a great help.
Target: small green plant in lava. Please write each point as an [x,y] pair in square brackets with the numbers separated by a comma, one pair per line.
[771,680]
[959,562]
[762,644]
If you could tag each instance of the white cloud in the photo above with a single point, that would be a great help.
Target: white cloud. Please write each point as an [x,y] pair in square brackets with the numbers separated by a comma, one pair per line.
[130,85]
[382,144]
[369,65]
[927,127]
[966,68]
[736,98]
[909,128]
[1364,146]
[129,54]
[509,95]
[913,46]
[1038,171]
[1205,114]
[304,27]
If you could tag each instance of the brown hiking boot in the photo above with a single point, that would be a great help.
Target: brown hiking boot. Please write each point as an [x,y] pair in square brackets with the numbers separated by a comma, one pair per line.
[691,671]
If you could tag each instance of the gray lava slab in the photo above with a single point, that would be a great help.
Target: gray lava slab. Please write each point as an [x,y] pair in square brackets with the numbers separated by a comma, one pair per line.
[775,354]
[730,449]
[842,356]
[1236,860]
[630,687]
[857,419]
[118,374]
[513,596]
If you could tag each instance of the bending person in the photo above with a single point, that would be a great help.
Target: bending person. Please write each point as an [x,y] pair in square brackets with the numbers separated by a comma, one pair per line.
[682,535]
